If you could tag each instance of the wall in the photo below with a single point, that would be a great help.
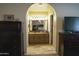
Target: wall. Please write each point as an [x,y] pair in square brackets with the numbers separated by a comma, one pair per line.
[65,9]
[19,11]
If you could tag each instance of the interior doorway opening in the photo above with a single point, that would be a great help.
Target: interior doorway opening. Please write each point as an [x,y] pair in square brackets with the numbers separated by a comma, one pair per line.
[41,30]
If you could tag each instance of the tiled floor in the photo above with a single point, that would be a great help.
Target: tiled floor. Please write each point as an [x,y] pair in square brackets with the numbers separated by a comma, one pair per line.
[41,50]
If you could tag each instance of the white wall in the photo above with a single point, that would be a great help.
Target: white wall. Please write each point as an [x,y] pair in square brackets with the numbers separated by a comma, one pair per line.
[67,9]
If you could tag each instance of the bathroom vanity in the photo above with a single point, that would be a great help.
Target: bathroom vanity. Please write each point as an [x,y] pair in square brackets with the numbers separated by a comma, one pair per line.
[38,37]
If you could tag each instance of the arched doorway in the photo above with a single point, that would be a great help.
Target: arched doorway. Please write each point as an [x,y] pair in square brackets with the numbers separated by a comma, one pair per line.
[41,29]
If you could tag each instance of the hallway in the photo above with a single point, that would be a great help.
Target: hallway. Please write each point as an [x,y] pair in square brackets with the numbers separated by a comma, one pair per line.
[41,22]
[41,50]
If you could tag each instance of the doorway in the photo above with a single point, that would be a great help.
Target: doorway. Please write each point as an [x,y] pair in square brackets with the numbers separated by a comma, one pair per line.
[41,31]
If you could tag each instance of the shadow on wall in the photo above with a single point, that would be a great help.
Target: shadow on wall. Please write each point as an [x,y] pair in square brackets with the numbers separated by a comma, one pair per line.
[60,21]
[59,28]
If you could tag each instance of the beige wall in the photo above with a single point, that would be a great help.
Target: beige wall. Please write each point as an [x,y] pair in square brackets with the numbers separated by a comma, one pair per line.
[19,11]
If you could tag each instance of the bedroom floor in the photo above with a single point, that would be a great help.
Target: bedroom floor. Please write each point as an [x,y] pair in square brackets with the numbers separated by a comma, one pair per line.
[41,50]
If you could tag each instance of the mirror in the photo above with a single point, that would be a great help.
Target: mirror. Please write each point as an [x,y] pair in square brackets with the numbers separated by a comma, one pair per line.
[38,25]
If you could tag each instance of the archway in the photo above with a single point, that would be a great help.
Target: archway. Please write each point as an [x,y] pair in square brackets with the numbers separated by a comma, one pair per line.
[45,15]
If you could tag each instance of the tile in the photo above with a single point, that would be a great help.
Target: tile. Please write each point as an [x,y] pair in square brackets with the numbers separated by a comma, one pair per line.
[41,50]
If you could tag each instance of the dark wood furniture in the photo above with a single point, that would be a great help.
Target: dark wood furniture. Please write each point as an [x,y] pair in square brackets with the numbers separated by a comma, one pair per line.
[68,44]
[38,38]
[10,38]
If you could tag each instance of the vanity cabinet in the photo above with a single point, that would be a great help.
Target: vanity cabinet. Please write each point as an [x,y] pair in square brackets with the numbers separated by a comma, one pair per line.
[38,37]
